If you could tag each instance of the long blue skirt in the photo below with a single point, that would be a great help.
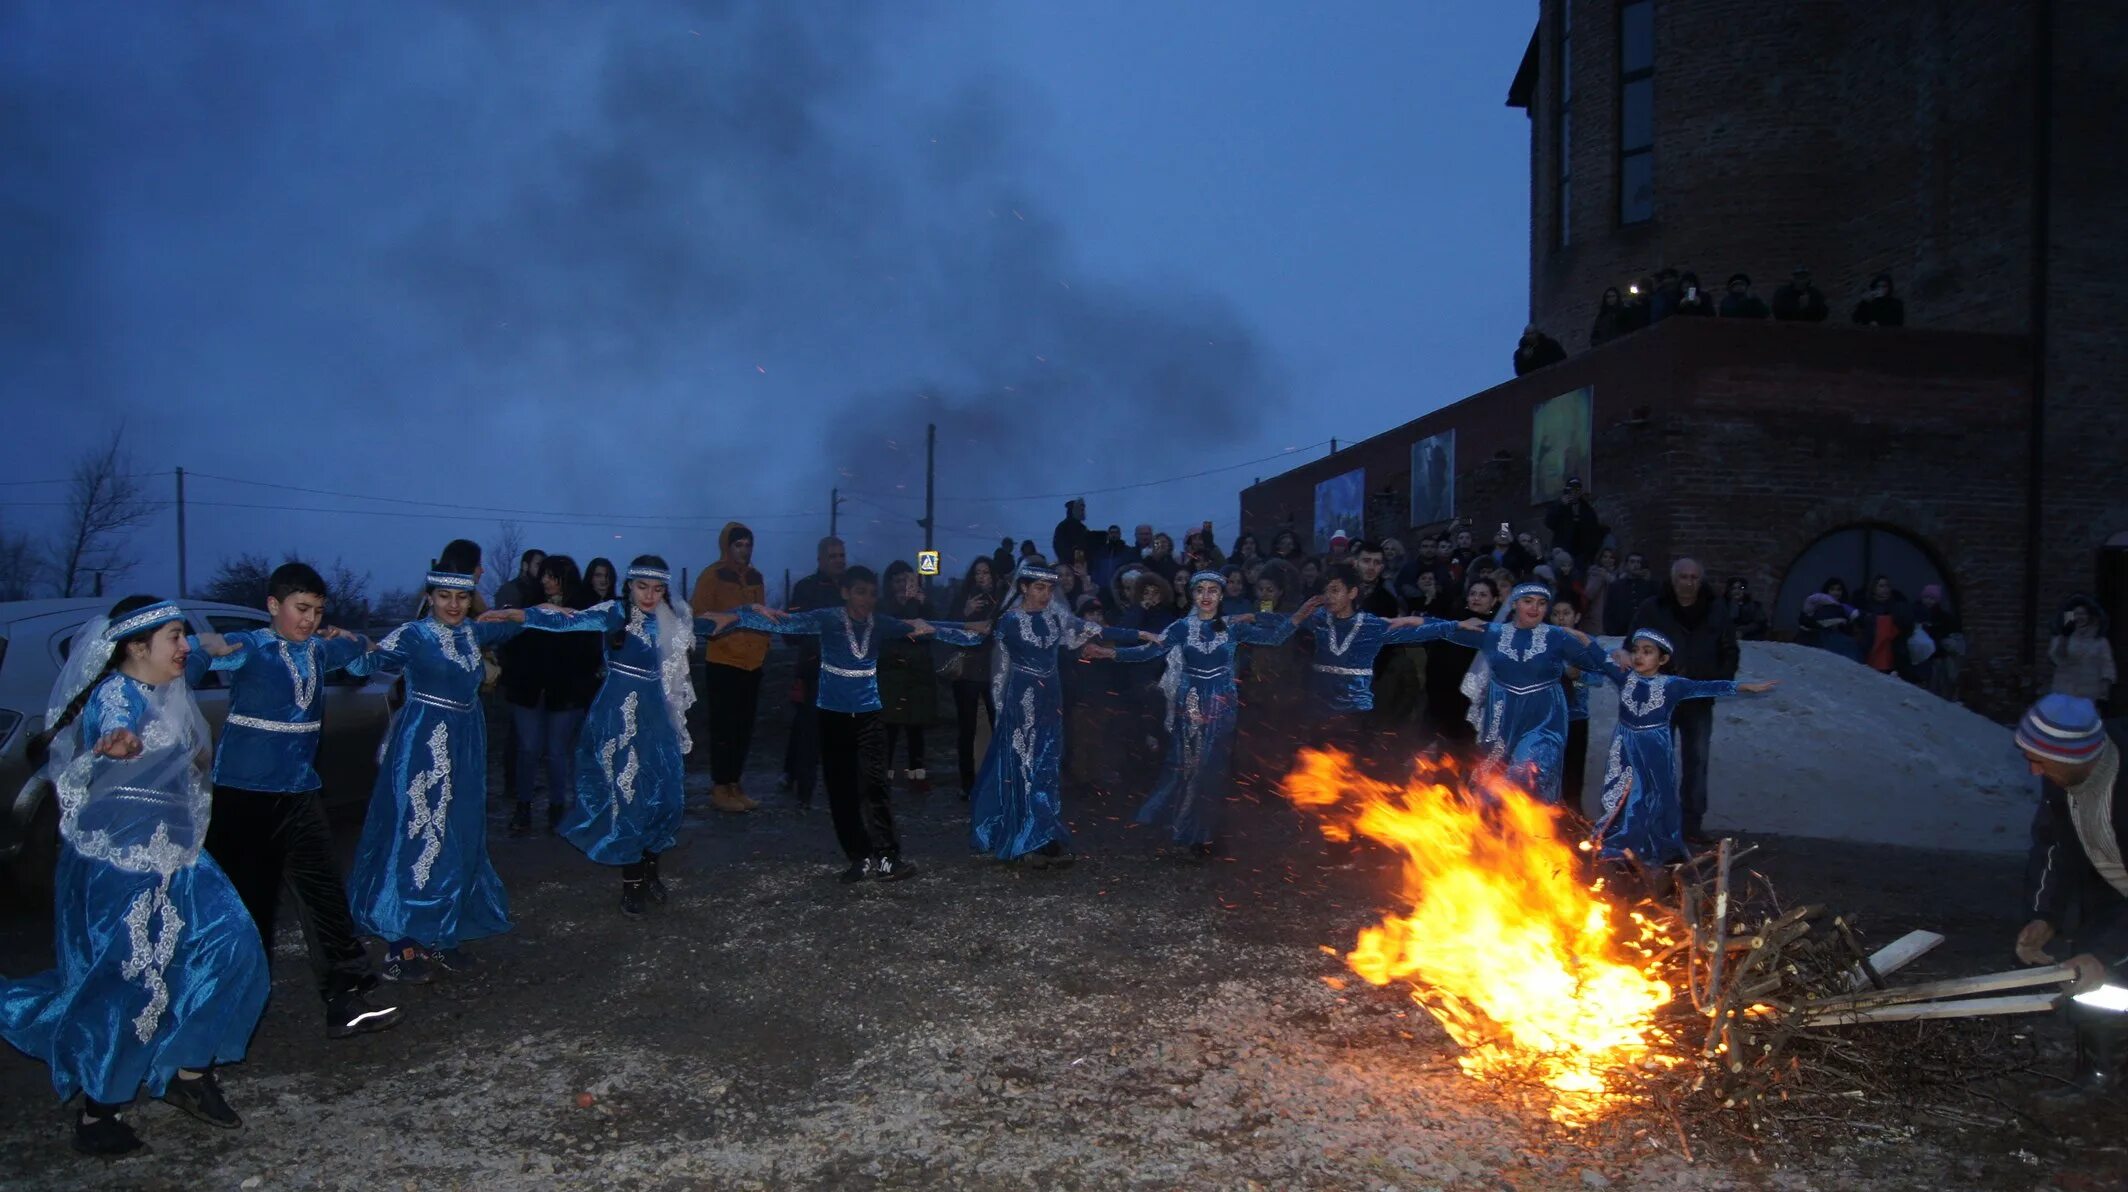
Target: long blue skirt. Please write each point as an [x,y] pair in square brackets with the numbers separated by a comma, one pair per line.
[1197,769]
[1525,734]
[151,978]
[1018,804]
[630,775]
[421,869]
[1640,791]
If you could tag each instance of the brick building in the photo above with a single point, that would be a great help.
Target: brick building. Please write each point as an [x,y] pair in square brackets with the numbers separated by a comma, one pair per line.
[1965,149]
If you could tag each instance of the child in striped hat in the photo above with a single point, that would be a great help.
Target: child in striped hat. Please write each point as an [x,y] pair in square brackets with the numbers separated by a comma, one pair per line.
[2077,861]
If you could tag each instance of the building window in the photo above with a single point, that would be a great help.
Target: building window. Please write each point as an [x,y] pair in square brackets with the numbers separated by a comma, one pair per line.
[1636,111]
[1563,132]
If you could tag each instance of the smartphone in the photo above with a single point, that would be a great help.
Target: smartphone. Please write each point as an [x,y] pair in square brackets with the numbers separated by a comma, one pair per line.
[1692,293]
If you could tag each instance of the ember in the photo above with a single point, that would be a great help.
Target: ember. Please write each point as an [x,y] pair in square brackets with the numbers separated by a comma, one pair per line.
[1524,965]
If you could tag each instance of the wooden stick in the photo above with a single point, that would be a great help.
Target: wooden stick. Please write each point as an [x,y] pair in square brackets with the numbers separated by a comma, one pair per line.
[1894,956]
[1972,1007]
[1718,931]
[2056,974]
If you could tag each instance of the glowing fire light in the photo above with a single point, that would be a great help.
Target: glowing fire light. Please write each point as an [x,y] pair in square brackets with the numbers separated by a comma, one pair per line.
[1524,965]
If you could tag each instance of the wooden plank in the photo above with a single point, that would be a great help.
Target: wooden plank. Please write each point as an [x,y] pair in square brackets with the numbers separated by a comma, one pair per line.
[1894,956]
[2055,974]
[1972,1007]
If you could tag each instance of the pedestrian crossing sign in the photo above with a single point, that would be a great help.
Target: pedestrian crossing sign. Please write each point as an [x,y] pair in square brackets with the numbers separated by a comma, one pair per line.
[927,562]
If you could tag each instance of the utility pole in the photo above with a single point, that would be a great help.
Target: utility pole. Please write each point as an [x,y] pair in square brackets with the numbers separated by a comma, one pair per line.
[182,591]
[930,476]
[834,512]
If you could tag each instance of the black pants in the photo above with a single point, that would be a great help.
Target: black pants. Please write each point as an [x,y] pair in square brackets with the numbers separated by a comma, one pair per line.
[263,840]
[853,762]
[801,753]
[733,695]
[968,696]
[1575,779]
[1693,722]
[915,733]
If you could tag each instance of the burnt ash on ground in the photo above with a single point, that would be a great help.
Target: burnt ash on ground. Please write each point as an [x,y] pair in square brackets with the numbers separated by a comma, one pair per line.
[1133,1021]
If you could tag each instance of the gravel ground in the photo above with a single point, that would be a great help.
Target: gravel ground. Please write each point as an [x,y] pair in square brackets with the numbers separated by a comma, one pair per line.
[1135,1021]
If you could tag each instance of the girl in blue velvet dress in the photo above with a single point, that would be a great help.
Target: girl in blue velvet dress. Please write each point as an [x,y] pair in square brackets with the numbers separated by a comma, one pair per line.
[1523,725]
[160,972]
[1641,811]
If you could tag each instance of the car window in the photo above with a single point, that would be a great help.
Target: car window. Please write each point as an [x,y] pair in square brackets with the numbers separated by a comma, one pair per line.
[235,622]
[63,641]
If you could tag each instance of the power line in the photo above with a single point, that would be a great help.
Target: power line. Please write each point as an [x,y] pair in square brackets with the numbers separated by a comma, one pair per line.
[447,513]
[1117,488]
[465,509]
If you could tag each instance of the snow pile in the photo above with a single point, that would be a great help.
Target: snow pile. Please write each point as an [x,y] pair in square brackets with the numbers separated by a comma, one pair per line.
[1843,752]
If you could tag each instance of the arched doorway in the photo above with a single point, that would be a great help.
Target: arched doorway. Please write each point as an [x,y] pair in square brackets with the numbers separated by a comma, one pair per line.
[1854,554]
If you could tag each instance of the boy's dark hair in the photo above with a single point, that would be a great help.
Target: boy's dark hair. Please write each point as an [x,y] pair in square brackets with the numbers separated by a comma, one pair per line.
[290,579]
[1567,599]
[860,574]
[1344,573]
[1367,546]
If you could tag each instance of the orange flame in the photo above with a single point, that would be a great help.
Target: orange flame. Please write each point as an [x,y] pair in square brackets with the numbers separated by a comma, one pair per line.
[1522,964]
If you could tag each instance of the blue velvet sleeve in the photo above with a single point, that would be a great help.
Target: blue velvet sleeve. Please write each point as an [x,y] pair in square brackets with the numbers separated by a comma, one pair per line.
[1431,631]
[954,635]
[495,633]
[1702,688]
[387,657]
[797,624]
[599,618]
[1148,651]
[1275,632]
[337,652]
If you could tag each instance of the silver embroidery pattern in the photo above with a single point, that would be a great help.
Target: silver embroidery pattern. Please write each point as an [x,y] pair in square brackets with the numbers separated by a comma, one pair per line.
[423,820]
[623,781]
[306,686]
[1493,735]
[1028,634]
[639,628]
[1642,708]
[464,656]
[112,711]
[149,958]
[1537,643]
[1337,649]
[1617,780]
[1202,644]
[860,648]
[1023,734]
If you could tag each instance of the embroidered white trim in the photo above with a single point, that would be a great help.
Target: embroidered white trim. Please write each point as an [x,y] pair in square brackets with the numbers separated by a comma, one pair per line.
[1642,707]
[423,820]
[847,673]
[272,726]
[1337,648]
[437,701]
[1049,622]
[154,614]
[306,686]
[149,959]
[1537,643]
[1023,736]
[1327,669]
[633,672]
[1617,779]
[860,648]
[447,641]
[639,628]
[1197,641]
[623,781]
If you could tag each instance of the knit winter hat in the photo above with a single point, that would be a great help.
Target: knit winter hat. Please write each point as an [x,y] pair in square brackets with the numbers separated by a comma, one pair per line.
[2062,728]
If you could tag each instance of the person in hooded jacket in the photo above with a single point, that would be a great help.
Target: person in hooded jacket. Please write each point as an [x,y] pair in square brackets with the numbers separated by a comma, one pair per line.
[731,682]
[1881,308]
[2082,654]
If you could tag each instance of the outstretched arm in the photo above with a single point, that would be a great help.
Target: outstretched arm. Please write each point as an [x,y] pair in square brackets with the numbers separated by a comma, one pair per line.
[764,620]
[599,618]
[1146,651]
[1275,632]
[1410,631]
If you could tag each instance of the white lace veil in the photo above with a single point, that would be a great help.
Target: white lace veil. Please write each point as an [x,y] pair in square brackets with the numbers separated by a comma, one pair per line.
[147,813]
[1480,676]
[676,640]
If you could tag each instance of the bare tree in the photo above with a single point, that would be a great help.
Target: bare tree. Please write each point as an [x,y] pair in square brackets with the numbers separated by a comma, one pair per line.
[241,580]
[104,506]
[502,552]
[18,566]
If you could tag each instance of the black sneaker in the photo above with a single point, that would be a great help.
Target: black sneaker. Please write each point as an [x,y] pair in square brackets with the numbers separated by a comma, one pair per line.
[352,1013]
[454,960]
[407,966]
[892,869]
[857,872]
[202,1098]
[1049,856]
[106,1137]
[632,899]
[555,812]
[521,820]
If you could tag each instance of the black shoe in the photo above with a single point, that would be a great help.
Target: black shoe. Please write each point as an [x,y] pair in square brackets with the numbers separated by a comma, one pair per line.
[632,899]
[857,872]
[407,966]
[555,812]
[654,890]
[454,960]
[892,869]
[351,1013]
[202,1098]
[2100,1044]
[106,1137]
[521,820]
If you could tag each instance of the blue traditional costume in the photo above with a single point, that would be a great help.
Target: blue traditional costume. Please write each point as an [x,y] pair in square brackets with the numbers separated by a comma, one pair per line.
[1641,810]
[1341,678]
[1017,805]
[1522,724]
[159,966]
[853,742]
[422,874]
[1202,703]
[630,788]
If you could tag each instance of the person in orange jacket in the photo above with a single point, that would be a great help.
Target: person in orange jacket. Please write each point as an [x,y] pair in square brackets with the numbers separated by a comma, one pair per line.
[732,681]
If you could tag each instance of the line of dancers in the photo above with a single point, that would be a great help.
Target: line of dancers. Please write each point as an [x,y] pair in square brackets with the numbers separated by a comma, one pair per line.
[170,879]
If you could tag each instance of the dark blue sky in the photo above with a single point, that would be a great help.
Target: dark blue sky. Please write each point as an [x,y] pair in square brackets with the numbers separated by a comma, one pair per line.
[650,265]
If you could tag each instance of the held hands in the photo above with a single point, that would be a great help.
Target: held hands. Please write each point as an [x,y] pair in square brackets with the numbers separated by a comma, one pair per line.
[978,628]
[1579,636]
[1756,688]
[120,743]
[773,614]
[1149,638]
[1095,651]
[217,646]
[722,621]
[921,628]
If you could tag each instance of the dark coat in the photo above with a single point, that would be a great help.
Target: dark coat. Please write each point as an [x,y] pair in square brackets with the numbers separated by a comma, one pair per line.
[1575,527]
[1743,306]
[1531,357]
[1750,619]
[1622,600]
[908,685]
[1702,632]
[1070,535]
[1793,304]
[2059,876]
[1887,311]
[555,671]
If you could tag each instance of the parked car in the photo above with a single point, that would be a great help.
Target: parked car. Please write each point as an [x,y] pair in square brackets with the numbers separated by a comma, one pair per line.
[35,636]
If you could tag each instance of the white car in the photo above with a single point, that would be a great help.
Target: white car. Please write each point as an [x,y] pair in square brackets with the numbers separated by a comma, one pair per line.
[34,638]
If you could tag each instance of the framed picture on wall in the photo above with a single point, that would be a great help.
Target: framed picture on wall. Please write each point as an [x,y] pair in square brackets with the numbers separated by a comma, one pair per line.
[1340,504]
[1560,436]
[1433,479]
